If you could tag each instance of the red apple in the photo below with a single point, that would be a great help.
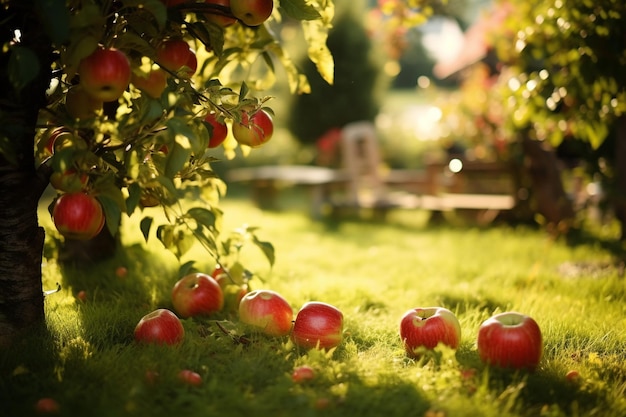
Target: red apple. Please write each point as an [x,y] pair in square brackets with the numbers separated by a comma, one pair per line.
[59,133]
[152,83]
[176,56]
[161,327]
[105,74]
[252,12]
[47,405]
[78,216]
[219,18]
[219,130]
[80,105]
[318,324]
[197,294]
[510,340]
[254,130]
[190,377]
[266,311]
[121,271]
[427,327]
[82,296]
[302,373]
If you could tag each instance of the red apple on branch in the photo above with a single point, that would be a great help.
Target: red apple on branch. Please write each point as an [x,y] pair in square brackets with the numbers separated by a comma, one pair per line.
[510,340]
[197,294]
[254,130]
[78,216]
[218,17]
[176,56]
[161,327]
[219,130]
[318,325]
[105,74]
[426,327]
[252,12]
[152,83]
[266,311]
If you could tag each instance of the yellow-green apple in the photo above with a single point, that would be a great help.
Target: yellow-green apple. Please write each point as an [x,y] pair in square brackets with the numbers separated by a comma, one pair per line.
[197,294]
[510,340]
[161,327]
[81,105]
[253,130]
[105,74]
[176,56]
[78,215]
[221,16]
[266,311]
[152,83]
[426,327]
[252,12]
[219,130]
[69,180]
[318,324]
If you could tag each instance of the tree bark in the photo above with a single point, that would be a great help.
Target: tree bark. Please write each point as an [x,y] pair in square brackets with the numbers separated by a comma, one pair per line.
[21,183]
[547,190]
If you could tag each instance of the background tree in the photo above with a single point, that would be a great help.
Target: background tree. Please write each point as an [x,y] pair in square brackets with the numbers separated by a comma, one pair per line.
[356,90]
[113,100]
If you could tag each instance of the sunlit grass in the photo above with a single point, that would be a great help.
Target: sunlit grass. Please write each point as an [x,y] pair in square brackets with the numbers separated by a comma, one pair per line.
[373,272]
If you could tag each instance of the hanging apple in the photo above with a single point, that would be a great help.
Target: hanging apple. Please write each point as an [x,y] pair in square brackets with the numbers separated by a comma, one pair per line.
[78,215]
[105,74]
[254,130]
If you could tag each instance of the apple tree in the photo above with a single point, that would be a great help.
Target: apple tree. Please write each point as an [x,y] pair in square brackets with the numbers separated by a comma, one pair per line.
[117,104]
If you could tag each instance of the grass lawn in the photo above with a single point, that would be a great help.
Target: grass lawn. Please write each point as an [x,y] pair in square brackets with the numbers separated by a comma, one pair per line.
[90,364]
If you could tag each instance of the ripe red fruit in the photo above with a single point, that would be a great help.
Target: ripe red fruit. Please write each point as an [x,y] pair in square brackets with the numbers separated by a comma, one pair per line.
[161,327]
[318,324]
[78,216]
[252,12]
[302,373]
[152,84]
[47,405]
[266,311]
[254,130]
[219,130]
[190,377]
[176,55]
[427,327]
[197,294]
[220,18]
[105,74]
[510,340]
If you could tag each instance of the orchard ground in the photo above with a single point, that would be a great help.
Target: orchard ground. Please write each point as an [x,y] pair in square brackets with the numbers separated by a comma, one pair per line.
[90,365]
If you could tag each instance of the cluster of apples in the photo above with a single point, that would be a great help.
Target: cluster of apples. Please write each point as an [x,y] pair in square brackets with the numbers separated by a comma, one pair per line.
[508,340]
[316,324]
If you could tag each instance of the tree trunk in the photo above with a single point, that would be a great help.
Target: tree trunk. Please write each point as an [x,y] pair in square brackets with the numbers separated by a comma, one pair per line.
[620,175]
[547,190]
[21,184]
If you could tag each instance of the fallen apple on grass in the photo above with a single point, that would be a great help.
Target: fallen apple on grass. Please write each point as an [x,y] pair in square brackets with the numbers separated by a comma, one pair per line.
[302,374]
[47,405]
[161,326]
[510,340]
[197,294]
[318,325]
[266,311]
[190,378]
[426,327]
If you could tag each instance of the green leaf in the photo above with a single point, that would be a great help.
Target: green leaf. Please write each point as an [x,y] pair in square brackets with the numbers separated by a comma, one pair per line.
[316,34]
[176,159]
[299,10]
[134,196]
[267,248]
[112,213]
[203,217]
[145,225]
[23,67]
[186,268]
